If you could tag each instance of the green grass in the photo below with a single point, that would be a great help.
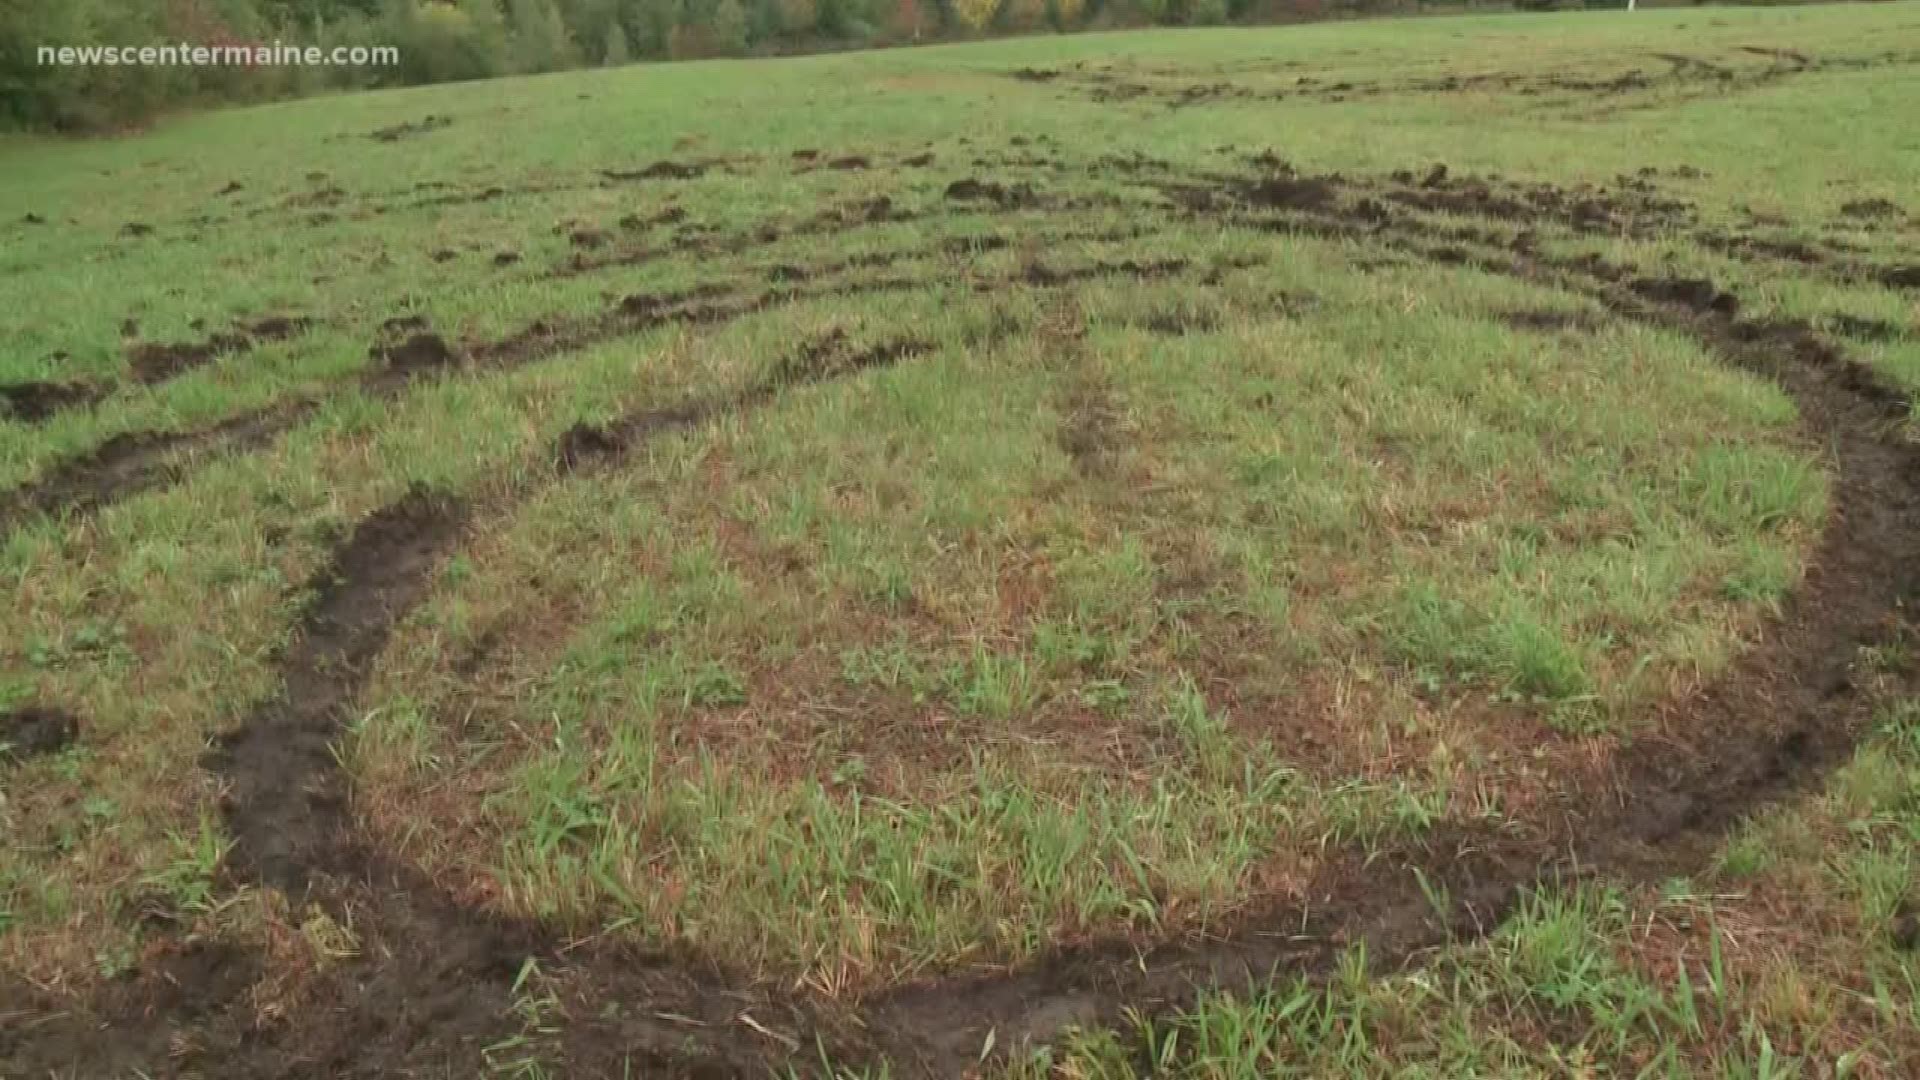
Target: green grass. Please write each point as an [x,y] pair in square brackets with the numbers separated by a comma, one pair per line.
[1790,958]
[1118,608]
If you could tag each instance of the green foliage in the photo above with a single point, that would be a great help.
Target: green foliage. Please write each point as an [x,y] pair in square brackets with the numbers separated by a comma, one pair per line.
[455,40]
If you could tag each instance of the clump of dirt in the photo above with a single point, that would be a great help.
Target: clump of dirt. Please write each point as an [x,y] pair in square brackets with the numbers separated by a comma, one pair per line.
[35,731]
[407,131]
[155,362]
[1290,193]
[971,190]
[1901,277]
[1870,209]
[136,229]
[1699,294]
[672,215]
[584,442]
[659,170]
[849,163]
[416,352]
[278,327]
[31,401]
[1036,75]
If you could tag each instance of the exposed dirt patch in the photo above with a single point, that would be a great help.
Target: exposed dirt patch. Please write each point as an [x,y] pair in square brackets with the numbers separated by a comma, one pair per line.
[285,806]
[35,401]
[35,731]
[1871,209]
[1698,294]
[155,362]
[850,163]
[970,190]
[1901,277]
[505,258]
[133,462]
[415,353]
[407,131]
[1038,75]
[1290,193]
[660,170]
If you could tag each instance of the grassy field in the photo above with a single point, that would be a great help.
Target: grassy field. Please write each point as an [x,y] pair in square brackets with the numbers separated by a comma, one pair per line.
[1374,549]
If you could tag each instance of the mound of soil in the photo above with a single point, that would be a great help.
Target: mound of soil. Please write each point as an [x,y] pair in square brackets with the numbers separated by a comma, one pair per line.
[584,442]
[417,352]
[659,170]
[155,362]
[407,131]
[1290,193]
[1870,209]
[971,190]
[35,731]
[1699,294]
[278,327]
[38,400]
[1901,277]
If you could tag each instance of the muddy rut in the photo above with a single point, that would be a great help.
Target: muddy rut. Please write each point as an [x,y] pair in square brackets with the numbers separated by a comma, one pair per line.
[431,987]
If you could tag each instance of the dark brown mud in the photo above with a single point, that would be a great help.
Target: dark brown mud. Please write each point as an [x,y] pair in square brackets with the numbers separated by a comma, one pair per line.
[33,402]
[134,462]
[32,731]
[153,362]
[286,803]
[410,130]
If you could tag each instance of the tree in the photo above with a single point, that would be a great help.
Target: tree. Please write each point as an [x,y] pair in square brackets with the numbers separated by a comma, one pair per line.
[975,14]
[539,40]
[729,28]
[615,50]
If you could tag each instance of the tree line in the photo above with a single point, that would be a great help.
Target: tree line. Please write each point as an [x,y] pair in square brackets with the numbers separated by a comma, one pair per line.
[448,40]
